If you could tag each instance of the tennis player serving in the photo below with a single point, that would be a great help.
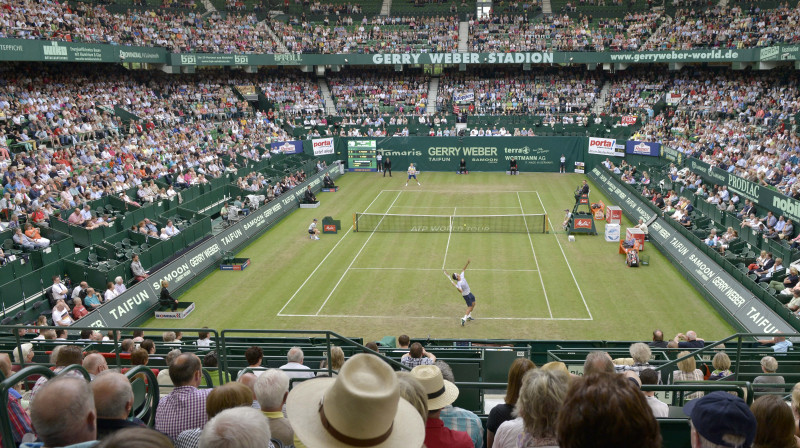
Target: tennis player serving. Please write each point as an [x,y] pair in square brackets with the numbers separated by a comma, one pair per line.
[412,172]
[462,286]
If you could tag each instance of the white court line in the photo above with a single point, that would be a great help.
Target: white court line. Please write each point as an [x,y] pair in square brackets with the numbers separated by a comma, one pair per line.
[449,234]
[357,255]
[536,260]
[565,258]
[431,269]
[447,206]
[465,192]
[349,316]
[323,260]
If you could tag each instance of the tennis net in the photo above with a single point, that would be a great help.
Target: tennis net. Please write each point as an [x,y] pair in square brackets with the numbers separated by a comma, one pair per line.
[377,222]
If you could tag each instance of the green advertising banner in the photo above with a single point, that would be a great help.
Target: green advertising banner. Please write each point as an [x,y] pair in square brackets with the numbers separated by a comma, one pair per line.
[469,58]
[734,297]
[533,154]
[766,197]
[43,50]
[144,295]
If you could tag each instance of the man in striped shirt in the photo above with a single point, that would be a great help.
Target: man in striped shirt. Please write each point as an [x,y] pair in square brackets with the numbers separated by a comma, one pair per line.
[185,407]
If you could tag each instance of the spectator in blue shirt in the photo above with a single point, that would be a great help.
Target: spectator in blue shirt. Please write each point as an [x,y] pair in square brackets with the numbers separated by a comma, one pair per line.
[779,344]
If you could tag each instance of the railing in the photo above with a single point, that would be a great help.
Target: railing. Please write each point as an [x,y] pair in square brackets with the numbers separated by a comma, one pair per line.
[8,383]
[328,335]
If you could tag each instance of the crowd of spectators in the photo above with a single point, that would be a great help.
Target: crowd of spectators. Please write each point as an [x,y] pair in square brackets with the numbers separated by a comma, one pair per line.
[377,35]
[176,31]
[295,93]
[514,33]
[510,92]
[728,27]
[304,404]
[635,91]
[188,30]
[741,122]
[379,92]
[67,153]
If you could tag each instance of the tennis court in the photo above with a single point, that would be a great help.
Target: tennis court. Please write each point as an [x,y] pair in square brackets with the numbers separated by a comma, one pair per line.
[378,283]
[408,236]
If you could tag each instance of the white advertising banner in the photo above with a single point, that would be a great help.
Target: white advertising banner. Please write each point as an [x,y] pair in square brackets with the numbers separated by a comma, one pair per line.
[604,146]
[322,146]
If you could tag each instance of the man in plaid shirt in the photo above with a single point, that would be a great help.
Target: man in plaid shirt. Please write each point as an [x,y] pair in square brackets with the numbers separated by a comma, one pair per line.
[185,407]
[20,421]
[417,356]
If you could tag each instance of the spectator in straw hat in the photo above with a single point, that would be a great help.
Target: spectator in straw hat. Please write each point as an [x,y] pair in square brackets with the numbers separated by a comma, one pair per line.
[360,407]
[440,394]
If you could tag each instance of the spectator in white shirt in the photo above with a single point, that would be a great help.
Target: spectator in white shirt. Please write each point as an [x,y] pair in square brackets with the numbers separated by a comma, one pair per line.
[295,358]
[170,229]
[110,293]
[86,213]
[61,315]
[119,285]
[58,290]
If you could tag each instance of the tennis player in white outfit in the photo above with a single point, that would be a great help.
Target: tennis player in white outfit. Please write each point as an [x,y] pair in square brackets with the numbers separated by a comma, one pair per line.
[463,287]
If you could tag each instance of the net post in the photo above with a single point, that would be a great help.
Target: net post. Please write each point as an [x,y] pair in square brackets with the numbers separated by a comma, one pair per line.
[355,221]
[546,230]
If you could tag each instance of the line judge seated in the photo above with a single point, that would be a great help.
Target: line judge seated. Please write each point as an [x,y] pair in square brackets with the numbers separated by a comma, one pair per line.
[327,182]
[512,166]
[308,197]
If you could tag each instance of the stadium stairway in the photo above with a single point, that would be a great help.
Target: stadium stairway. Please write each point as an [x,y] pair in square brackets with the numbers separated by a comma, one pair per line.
[602,99]
[208,5]
[433,93]
[547,8]
[386,7]
[330,107]
[666,22]
[463,37]
[281,47]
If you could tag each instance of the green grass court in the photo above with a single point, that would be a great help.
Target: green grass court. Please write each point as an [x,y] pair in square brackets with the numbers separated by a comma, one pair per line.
[373,284]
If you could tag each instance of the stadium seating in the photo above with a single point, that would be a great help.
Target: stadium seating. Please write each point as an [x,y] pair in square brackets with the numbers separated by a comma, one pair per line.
[479,366]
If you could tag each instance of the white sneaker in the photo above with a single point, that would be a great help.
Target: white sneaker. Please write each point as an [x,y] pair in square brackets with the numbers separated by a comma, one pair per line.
[470,318]
[316,237]
[463,321]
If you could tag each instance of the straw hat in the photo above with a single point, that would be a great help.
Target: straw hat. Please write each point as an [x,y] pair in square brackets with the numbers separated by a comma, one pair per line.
[361,407]
[440,391]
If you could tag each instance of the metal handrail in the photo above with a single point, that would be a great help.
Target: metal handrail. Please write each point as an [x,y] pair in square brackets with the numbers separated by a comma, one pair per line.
[116,341]
[7,383]
[152,390]
[327,334]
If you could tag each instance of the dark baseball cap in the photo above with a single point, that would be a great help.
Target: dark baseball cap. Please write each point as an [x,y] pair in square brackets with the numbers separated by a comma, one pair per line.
[720,413]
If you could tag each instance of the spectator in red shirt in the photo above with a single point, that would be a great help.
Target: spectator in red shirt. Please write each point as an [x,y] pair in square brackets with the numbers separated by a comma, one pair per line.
[78,310]
[440,394]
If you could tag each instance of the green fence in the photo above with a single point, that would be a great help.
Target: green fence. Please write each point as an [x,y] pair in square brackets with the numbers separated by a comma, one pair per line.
[42,50]
[533,154]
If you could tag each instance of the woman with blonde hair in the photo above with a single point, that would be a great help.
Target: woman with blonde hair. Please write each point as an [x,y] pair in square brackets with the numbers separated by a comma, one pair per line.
[540,399]
[688,371]
[503,412]
[722,366]
[337,361]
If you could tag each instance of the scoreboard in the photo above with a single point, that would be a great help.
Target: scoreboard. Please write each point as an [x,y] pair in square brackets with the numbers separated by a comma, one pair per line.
[361,155]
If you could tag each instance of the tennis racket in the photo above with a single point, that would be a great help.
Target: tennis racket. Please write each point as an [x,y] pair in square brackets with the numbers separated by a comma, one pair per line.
[448,277]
